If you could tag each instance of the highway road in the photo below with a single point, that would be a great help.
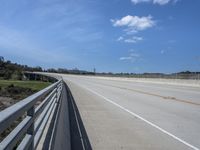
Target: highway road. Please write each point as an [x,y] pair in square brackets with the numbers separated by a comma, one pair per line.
[120,114]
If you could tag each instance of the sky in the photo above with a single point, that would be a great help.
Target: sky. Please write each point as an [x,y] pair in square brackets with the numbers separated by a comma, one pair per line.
[109,35]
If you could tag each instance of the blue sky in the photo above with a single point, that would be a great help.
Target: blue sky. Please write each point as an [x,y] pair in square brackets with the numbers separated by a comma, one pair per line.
[110,35]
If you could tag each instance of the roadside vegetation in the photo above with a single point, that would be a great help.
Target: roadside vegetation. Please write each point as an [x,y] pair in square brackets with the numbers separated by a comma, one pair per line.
[15,86]
[14,71]
[33,85]
[13,91]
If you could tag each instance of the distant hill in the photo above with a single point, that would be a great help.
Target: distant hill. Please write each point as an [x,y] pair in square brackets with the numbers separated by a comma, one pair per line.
[9,70]
[70,71]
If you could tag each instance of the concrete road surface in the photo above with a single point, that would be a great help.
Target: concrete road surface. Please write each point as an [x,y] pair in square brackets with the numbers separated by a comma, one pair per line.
[133,115]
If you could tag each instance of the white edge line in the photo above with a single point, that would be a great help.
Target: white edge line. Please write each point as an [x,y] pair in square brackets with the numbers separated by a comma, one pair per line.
[143,119]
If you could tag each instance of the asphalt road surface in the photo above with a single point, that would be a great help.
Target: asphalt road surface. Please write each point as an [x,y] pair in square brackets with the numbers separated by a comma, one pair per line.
[133,115]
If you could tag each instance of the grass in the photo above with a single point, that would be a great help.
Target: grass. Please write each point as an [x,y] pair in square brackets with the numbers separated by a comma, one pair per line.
[34,85]
[17,89]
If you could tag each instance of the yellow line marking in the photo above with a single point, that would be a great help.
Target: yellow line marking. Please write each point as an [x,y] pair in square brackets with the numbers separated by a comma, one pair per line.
[156,95]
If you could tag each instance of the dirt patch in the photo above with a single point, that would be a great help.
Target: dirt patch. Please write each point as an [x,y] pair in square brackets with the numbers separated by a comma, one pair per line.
[5,102]
[12,94]
[16,92]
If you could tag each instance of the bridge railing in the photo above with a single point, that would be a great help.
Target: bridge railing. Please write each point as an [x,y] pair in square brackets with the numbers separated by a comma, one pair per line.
[27,134]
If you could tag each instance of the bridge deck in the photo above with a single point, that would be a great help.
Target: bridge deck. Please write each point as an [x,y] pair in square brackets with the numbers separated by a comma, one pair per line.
[130,115]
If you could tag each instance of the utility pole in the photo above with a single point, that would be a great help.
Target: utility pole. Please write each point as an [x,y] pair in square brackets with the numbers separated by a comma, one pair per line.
[94,71]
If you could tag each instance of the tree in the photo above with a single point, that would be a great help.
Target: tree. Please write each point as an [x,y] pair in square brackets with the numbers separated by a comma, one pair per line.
[1,59]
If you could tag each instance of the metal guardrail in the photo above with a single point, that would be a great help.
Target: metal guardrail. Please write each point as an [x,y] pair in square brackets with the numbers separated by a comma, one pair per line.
[27,134]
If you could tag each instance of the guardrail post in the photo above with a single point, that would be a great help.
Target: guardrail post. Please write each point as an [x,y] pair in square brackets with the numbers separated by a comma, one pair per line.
[58,92]
[30,130]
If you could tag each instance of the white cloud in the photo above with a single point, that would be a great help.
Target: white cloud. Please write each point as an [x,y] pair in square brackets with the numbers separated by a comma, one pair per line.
[160,2]
[134,39]
[120,38]
[134,23]
[133,57]
[139,1]
[130,31]
[125,58]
